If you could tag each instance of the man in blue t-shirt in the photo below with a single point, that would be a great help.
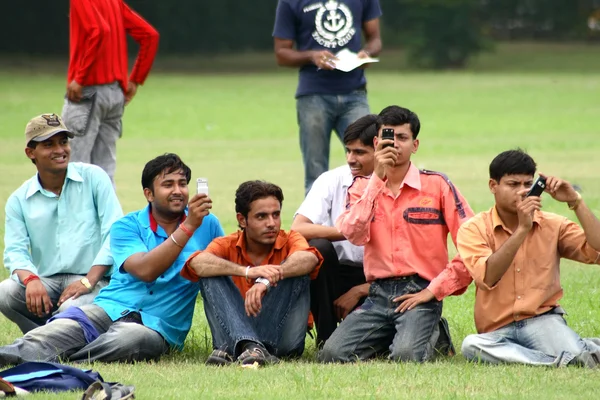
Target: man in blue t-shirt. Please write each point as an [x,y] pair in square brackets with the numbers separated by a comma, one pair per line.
[147,307]
[308,34]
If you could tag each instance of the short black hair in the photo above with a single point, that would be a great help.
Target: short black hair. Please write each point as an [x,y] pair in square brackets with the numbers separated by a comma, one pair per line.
[396,115]
[512,162]
[32,144]
[363,129]
[166,163]
[250,191]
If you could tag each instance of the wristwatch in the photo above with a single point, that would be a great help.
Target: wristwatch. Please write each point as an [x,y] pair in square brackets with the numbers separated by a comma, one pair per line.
[264,281]
[86,282]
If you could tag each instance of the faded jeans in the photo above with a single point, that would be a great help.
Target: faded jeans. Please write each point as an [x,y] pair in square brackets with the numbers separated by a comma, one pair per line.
[280,326]
[318,115]
[542,340]
[97,124]
[63,340]
[14,306]
[375,328]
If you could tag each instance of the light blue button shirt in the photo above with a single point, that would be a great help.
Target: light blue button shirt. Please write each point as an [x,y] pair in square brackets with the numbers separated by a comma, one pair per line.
[167,304]
[49,234]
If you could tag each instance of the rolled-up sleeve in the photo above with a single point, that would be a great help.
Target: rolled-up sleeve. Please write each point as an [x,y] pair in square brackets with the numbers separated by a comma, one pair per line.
[474,251]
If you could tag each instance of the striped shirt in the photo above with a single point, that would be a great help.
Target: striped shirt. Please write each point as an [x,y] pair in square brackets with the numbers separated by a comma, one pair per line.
[98,44]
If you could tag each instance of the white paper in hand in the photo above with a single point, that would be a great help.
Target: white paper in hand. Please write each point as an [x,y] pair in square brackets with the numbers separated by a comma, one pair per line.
[347,60]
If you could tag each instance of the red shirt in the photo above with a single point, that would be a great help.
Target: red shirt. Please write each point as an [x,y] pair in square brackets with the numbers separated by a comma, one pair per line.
[408,234]
[98,44]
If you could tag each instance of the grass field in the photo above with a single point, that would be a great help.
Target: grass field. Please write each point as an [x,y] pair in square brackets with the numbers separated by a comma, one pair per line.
[231,127]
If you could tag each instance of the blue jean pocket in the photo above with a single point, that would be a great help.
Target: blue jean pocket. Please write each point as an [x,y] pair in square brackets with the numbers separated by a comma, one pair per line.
[77,116]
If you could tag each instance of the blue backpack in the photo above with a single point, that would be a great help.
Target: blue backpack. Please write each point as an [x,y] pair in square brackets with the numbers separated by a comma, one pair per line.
[46,376]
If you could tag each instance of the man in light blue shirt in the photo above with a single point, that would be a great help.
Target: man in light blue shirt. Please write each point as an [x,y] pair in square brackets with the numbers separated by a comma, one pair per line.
[56,231]
[147,307]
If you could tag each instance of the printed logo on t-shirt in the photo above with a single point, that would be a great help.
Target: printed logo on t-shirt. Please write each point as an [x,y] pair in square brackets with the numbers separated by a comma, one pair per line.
[334,24]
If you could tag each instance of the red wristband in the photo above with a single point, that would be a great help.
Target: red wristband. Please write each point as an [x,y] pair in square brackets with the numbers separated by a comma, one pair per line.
[185,230]
[30,278]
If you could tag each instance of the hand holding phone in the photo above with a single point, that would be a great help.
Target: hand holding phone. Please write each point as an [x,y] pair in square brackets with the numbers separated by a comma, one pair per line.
[387,134]
[202,186]
[538,187]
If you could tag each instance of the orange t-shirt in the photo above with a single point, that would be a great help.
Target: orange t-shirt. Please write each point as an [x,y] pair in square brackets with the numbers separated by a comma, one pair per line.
[233,248]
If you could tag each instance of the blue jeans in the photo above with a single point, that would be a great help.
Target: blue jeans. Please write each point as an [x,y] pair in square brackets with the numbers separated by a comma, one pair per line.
[375,328]
[542,340]
[318,115]
[63,340]
[280,326]
[14,306]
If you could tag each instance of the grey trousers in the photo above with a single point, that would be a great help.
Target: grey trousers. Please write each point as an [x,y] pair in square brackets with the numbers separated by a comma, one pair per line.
[14,306]
[63,340]
[97,124]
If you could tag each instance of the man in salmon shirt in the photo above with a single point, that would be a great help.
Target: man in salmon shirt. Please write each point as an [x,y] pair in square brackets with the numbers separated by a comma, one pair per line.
[98,85]
[513,252]
[402,216]
[255,282]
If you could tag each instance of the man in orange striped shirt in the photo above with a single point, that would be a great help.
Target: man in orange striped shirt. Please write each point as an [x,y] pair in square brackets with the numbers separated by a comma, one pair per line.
[403,217]
[255,282]
[513,252]
[97,83]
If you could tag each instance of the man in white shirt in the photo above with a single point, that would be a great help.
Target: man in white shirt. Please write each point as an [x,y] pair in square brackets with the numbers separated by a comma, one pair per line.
[341,285]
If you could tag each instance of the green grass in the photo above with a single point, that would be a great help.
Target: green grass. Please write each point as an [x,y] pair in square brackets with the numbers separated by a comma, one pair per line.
[234,127]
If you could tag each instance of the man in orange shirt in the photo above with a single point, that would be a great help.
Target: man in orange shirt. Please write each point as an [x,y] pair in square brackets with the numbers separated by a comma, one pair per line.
[402,216]
[513,252]
[255,282]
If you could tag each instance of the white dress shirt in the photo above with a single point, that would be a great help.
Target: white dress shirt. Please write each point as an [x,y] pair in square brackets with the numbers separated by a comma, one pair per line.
[324,203]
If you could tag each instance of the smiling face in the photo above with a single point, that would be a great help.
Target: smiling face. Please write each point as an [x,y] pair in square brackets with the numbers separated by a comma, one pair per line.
[51,155]
[169,194]
[263,222]
[360,158]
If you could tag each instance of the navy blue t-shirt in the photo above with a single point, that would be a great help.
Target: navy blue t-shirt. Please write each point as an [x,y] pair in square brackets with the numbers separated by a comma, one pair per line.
[325,25]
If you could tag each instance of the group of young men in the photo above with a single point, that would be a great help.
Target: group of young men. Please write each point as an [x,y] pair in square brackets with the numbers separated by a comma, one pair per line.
[366,259]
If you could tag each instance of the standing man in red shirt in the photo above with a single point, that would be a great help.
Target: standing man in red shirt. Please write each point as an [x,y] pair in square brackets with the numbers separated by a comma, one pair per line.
[98,86]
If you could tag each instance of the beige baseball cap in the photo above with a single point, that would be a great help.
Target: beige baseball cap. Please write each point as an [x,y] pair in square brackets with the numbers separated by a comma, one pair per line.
[45,126]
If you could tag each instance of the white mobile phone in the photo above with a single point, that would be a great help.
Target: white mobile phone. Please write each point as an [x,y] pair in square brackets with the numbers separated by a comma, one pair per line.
[202,186]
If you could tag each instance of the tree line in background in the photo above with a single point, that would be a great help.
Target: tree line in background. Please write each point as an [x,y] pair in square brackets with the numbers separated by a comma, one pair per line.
[435,33]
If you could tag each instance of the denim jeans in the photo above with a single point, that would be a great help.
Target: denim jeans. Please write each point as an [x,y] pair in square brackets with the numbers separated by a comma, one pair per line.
[63,340]
[375,328]
[14,307]
[318,115]
[280,326]
[542,340]
[333,281]
[97,124]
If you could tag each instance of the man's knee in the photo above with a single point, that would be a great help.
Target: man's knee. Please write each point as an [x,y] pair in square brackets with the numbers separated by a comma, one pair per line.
[420,353]
[335,350]
[325,247]
[9,294]
[470,347]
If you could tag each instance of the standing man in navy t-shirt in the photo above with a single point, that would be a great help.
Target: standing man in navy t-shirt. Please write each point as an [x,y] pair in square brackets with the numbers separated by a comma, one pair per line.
[326,98]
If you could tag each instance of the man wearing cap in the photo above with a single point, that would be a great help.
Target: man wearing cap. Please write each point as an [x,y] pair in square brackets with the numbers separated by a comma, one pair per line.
[56,230]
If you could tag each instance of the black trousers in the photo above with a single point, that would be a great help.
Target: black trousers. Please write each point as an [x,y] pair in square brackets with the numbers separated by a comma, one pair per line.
[334,280]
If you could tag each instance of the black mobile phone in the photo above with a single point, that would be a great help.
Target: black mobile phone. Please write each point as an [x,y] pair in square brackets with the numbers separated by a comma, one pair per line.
[387,134]
[538,187]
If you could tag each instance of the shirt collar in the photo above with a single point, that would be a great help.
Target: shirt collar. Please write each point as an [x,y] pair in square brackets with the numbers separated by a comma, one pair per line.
[280,243]
[497,221]
[147,219]
[36,186]
[412,177]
